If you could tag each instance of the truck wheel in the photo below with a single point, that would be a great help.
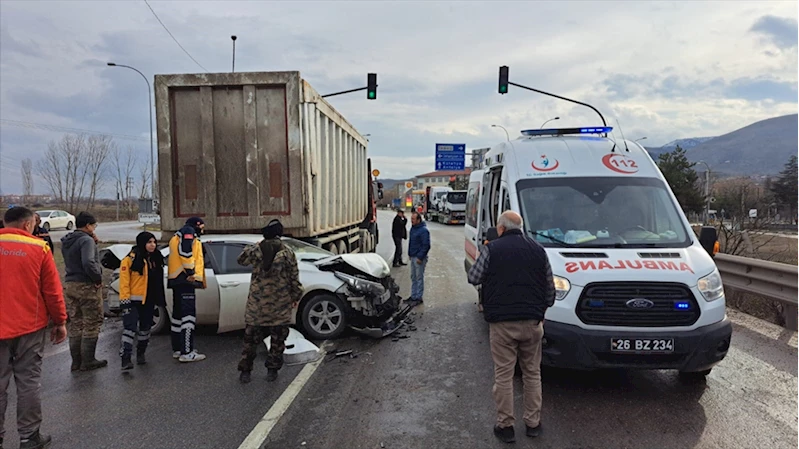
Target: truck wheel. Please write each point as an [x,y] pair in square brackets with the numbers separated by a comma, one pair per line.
[372,243]
[324,317]
[342,247]
[332,247]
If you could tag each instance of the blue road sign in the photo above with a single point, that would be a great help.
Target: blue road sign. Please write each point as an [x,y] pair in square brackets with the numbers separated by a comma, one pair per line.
[450,156]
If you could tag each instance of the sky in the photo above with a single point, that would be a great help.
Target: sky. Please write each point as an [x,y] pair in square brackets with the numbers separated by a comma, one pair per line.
[660,70]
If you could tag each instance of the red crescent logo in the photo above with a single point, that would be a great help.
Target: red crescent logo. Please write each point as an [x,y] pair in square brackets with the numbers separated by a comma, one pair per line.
[620,163]
[554,167]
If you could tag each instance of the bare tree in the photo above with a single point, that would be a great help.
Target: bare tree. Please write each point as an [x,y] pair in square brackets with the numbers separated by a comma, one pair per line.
[97,150]
[144,180]
[27,179]
[123,165]
[64,169]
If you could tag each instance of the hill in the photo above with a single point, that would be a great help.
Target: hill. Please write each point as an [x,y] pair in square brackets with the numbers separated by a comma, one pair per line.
[761,148]
[685,144]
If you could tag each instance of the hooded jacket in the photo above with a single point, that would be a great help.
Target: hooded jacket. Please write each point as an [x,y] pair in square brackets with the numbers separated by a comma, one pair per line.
[419,242]
[82,258]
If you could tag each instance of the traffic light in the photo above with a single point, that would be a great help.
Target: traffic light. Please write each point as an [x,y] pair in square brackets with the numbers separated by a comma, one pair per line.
[371,86]
[503,80]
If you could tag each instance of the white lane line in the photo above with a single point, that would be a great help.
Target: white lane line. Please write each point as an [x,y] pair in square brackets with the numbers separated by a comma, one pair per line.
[261,431]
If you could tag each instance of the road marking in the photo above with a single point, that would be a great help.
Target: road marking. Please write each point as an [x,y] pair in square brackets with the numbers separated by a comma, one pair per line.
[261,431]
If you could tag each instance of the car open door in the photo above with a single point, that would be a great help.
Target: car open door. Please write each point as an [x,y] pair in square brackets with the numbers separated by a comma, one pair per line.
[234,284]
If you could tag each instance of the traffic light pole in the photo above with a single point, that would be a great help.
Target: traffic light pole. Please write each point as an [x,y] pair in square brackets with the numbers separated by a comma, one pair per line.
[345,92]
[562,98]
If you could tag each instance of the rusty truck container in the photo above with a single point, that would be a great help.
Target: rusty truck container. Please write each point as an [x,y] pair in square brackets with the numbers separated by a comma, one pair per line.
[239,149]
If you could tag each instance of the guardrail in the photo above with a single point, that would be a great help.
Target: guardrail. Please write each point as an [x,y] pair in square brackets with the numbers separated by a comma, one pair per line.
[771,279]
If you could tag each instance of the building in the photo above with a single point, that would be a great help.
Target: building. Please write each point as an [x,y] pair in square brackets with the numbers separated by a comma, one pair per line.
[440,178]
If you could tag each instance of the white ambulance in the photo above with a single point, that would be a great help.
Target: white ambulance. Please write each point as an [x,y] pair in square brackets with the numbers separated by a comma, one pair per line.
[635,287]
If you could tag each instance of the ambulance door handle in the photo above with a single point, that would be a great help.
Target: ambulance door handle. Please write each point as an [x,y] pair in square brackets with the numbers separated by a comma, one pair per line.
[230,284]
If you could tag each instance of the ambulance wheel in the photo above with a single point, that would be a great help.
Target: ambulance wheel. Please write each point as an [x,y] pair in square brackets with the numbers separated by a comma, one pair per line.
[324,317]
[160,320]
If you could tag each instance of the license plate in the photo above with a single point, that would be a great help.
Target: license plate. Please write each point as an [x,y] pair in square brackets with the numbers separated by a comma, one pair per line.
[643,345]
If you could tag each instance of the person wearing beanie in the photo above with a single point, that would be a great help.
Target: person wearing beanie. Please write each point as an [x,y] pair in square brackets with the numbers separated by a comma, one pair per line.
[83,294]
[141,288]
[275,290]
[186,273]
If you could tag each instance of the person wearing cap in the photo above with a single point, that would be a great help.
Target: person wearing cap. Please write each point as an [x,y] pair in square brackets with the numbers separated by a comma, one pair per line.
[186,273]
[275,290]
[399,232]
[141,288]
[83,292]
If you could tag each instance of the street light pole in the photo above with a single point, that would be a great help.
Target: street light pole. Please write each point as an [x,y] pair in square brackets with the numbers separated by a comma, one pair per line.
[503,128]
[707,191]
[152,151]
[554,118]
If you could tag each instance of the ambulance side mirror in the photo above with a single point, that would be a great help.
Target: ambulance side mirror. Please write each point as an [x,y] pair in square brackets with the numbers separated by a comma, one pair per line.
[708,238]
[492,234]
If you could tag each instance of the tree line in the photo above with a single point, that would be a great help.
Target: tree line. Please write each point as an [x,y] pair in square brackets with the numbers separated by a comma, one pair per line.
[77,167]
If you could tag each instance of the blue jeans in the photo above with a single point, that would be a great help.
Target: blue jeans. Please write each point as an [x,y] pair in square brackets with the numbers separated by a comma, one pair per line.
[417,277]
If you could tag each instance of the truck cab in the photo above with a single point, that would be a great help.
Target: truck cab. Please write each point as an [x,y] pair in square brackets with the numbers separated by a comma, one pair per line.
[635,288]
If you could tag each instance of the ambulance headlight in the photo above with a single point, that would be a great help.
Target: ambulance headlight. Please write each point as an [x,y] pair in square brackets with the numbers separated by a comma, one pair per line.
[711,286]
[562,287]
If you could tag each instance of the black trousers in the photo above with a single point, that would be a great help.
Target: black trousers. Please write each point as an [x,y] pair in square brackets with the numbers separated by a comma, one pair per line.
[397,250]
[184,319]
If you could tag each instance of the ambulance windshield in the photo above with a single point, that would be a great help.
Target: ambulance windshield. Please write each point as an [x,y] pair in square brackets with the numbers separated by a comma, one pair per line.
[610,212]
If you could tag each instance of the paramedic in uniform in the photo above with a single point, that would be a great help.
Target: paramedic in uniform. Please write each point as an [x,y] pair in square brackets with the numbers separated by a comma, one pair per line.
[186,269]
[517,288]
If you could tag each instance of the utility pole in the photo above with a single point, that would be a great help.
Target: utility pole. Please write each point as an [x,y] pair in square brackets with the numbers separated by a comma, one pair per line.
[233,38]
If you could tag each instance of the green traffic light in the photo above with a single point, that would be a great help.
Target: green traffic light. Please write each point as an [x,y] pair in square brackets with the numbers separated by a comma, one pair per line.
[503,89]
[372,94]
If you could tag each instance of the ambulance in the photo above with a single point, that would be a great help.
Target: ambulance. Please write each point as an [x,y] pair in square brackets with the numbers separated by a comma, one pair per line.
[635,287]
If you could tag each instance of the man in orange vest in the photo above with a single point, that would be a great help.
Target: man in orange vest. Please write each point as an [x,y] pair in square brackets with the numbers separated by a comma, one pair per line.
[31,296]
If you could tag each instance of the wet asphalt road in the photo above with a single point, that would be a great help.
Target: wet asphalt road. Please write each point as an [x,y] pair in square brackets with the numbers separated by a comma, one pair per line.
[431,390]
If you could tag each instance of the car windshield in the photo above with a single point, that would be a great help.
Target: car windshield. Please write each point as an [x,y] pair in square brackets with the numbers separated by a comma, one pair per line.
[44,213]
[609,212]
[306,251]
[456,197]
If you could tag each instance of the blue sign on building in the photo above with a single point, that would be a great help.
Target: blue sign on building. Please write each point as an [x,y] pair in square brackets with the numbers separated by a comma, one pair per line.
[450,156]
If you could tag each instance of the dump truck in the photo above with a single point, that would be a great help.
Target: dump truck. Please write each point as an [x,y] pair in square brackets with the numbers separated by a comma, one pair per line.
[241,149]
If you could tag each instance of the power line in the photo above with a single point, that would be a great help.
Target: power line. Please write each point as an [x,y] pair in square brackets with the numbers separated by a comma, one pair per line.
[22,124]
[173,37]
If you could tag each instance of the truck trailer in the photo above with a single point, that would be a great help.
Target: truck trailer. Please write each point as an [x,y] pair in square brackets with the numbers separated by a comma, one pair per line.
[241,149]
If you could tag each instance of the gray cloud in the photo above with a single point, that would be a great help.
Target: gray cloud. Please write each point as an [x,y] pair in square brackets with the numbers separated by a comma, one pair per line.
[780,31]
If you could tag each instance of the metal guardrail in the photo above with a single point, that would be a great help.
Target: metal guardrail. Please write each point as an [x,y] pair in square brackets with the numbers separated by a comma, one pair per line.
[772,279]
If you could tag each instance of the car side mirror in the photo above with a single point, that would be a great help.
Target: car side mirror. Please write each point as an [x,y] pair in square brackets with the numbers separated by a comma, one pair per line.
[492,234]
[708,238]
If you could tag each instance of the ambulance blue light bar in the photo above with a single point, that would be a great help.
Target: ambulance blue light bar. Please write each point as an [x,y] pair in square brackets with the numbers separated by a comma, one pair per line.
[563,131]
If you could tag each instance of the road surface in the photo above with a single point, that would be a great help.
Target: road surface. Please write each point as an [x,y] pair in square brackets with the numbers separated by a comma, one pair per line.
[113,232]
[431,390]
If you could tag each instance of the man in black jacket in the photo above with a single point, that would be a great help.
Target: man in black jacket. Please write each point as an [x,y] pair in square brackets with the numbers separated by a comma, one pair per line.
[517,288]
[399,231]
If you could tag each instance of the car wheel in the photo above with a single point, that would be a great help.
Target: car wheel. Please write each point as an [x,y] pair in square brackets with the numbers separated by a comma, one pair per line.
[70,225]
[46,226]
[324,317]
[160,320]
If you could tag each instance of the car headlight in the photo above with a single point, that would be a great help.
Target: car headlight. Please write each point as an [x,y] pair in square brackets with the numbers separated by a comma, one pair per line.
[361,285]
[562,287]
[711,286]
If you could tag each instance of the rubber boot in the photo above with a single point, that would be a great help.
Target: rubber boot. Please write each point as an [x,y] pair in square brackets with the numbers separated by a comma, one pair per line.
[88,346]
[74,350]
[271,375]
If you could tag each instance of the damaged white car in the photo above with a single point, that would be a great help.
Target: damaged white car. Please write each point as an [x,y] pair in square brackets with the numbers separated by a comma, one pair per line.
[339,291]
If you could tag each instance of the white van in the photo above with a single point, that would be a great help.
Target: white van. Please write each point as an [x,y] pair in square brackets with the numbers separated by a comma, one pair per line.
[635,288]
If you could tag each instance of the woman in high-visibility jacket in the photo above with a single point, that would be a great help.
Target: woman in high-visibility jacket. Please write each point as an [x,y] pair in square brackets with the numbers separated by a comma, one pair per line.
[141,288]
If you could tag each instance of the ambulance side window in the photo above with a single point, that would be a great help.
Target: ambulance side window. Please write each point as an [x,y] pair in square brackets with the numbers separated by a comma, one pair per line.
[505,201]
[472,204]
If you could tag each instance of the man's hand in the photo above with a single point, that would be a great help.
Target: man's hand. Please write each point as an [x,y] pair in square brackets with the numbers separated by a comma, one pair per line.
[191,278]
[58,334]
[98,285]
[418,261]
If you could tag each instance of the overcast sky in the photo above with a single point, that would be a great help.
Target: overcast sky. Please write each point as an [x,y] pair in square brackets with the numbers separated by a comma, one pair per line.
[665,70]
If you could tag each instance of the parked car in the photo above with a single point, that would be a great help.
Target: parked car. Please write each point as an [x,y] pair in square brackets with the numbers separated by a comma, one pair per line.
[339,291]
[56,219]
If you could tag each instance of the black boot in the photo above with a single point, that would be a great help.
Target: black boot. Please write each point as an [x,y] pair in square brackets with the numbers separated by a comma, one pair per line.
[140,359]
[88,347]
[35,441]
[271,375]
[245,377]
[126,362]
[74,350]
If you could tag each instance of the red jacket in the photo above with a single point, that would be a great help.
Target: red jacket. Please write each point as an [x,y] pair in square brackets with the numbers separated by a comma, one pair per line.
[31,291]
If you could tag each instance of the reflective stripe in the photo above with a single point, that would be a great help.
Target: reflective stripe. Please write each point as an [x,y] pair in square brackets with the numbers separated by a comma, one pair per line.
[137,298]
[189,318]
[127,339]
[188,325]
[175,328]
[129,333]
[174,274]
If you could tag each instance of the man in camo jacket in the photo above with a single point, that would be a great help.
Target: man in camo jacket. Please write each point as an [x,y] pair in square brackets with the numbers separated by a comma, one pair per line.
[274,291]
